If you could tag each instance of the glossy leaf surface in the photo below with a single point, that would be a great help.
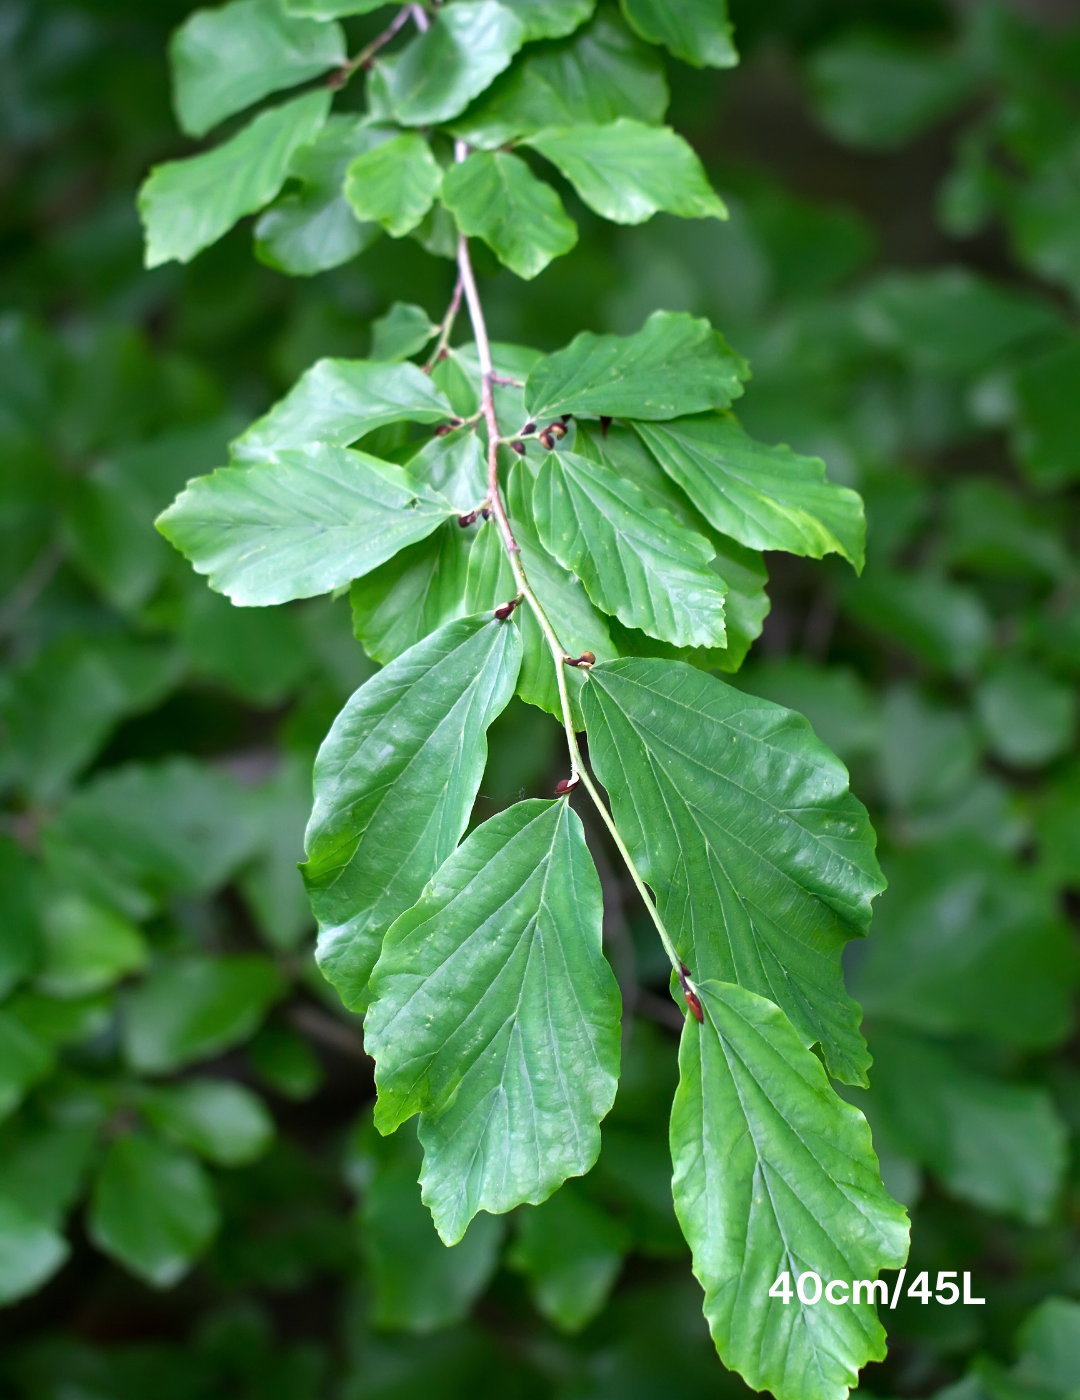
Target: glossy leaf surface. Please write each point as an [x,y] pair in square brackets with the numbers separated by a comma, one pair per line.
[697,31]
[628,171]
[764,497]
[411,595]
[225,59]
[304,524]
[633,556]
[339,401]
[395,782]
[774,1173]
[496,197]
[550,19]
[188,204]
[741,822]
[676,364]
[496,1017]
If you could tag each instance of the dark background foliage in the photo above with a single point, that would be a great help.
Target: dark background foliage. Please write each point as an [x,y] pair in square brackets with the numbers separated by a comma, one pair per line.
[901,268]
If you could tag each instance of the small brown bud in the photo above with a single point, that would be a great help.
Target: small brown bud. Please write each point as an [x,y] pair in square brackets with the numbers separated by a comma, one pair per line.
[528,428]
[456,422]
[519,447]
[547,440]
[467,519]
[485,511]
[585,659]
[443,353]
[503,611]
[443,429]
[694,1005]
[557,430]
[565,785]
[605,424]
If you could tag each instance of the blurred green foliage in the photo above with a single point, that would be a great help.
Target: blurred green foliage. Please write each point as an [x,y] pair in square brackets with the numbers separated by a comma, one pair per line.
[192,1202]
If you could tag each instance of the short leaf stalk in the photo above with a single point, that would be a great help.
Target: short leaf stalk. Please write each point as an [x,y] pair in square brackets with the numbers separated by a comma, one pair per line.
[560,656]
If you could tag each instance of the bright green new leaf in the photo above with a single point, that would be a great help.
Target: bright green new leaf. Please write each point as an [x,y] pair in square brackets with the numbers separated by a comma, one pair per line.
[628,171]
[221,1121]
[188,204]
[420,1285]
[550,19]
[413,594]
[394,184]
[304,524]
[774,1173]
[634,558]
[225,59]
[571,1252]
[193,1007]
[603,73]
[761,861]
[403,331]
[764,497]
[31,1251]
[395,782]
[24,1059]
[496,1017]
[676,364]
[436,75]
[697,31]
[152,1209]
[496,197]
[87,947]
[339,401]
[312,229]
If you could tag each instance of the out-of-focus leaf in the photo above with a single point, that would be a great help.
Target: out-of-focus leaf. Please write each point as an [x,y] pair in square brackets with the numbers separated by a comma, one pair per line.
[1028,717]
[496,197]
[152,1209]
[834,699]
[225,59]
[188,204]
[676,364]
[550,19]
[992,531]
[496,1017]
[87,947]
[403,331]
[221,1121]
[394,184]
[340,401]
[384,822]
[1048,416]
[303,524]
[258,654]
[928,752]
[286,1062]
[44,1156]
[941,622]
[30,1252]
[20,947]
[438,73]
[193,1007]
[628,171]
[271,884]
[420,1284]
[697,31]
[24,1059]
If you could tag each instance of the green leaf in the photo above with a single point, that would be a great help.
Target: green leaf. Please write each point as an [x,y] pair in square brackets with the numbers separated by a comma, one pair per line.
[1000,1146]
[403,331]
[312,229]
[412,595]
[24,1059]
[87,947]
[30,1252]
[1028,717]
[303,524]
[496,197]
[697,31]
[221,1121]
[333,9]
[188,204]
[419,1283]
[967,943]
[1048,416]
[764,497]
[941,622]
[152,1209]
[834,698]
[674,365]
[436,75]
[455,465]
[628,171]
[761,861]
[394,184]
[43,1156]
[550,19]
[395,782]
[224,60]
[877,92]
[1049,1346]
[271,884]
[496,1016]
[341,401]
[602,74]
[286,1062]
[571,1252]
[774,1173]
[20,947]
[634,558]
[193,1007]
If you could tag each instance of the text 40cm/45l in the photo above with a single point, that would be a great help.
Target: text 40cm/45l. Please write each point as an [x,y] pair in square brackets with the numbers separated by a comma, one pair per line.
[810,1290]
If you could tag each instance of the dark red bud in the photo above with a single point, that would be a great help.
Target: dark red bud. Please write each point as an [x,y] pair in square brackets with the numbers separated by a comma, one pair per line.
[528,428]
[518,447]
[468,519]
[605,424]
[503,611]
[456,422]
[485,511]
[557,430]
[547,440]
[443,353]
[565,785]
[695,1006]
[443,429]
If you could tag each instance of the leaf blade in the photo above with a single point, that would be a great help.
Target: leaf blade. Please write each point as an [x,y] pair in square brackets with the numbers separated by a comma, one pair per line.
[497,198]
[394,184]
